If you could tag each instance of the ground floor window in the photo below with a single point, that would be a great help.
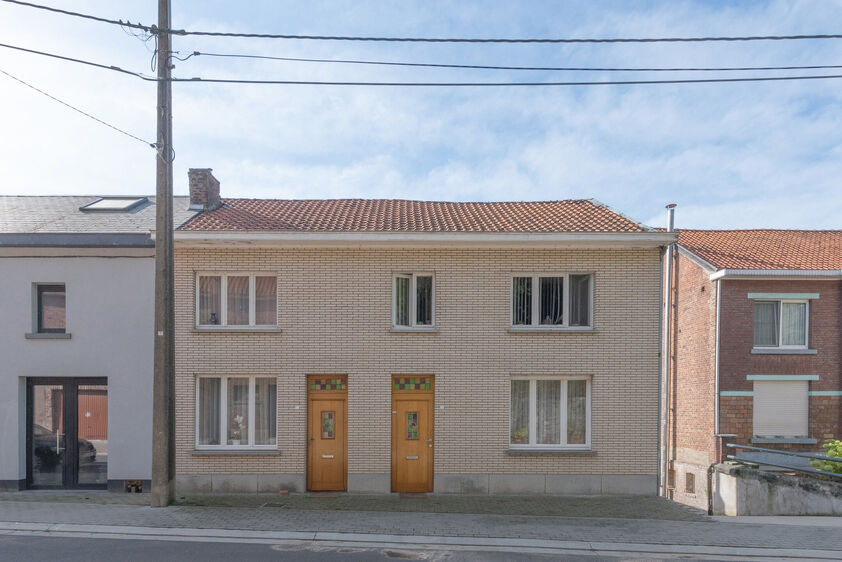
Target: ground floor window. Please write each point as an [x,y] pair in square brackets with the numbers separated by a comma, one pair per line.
[236,411]
[780,408]
[550,412]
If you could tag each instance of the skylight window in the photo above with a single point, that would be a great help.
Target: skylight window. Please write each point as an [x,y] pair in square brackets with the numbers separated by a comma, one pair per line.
[114,204]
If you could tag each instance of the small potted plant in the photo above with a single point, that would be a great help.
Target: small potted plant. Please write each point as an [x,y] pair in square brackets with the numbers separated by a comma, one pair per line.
[237,429]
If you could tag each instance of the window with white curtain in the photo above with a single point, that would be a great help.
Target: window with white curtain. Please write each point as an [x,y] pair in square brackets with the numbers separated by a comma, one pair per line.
[236,300]
[550,412]
[412,300]
[781,323]
[236,411]
[552,301]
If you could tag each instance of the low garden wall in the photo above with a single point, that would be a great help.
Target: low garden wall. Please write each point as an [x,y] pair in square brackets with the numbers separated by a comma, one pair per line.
[740,490]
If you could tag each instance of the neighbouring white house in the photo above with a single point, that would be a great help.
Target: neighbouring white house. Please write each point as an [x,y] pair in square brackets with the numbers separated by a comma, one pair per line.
[77,278]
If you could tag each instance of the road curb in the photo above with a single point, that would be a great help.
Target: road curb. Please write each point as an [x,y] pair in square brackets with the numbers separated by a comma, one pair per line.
[414,542]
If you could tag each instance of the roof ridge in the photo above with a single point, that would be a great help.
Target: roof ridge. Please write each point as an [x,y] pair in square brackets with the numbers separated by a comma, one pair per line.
[642,225]
[834,230]
[410,200]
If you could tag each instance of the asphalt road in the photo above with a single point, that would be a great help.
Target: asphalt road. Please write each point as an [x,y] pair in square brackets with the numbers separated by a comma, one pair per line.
[28,548]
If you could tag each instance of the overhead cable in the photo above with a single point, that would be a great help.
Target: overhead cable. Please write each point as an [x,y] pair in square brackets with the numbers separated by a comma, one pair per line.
[81,15]
[154,29]
[497,67]
[429,84]
[503,84]
[76,109]
[477,40]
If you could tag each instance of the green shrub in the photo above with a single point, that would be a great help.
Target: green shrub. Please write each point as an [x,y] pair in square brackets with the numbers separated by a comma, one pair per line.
[832,448]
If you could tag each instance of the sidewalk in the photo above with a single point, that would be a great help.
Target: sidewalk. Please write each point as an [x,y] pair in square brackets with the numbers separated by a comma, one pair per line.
[668,527]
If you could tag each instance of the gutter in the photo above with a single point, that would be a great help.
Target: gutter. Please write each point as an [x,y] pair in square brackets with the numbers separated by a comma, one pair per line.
[424,239]
[776,273]
[77,240]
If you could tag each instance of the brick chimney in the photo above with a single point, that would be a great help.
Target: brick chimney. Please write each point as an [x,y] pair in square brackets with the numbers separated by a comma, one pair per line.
[204,189]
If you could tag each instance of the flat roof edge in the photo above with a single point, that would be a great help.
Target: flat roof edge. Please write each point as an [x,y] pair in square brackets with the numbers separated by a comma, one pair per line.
[76,240]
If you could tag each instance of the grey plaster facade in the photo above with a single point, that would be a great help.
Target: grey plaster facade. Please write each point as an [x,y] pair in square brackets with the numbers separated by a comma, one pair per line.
[106,263]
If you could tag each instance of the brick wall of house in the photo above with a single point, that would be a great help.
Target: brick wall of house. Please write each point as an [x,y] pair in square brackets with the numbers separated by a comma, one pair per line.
[737,361]
[334,309]
[692,379]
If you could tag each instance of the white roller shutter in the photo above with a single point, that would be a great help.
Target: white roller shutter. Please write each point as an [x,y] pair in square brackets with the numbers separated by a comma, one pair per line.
[780,408]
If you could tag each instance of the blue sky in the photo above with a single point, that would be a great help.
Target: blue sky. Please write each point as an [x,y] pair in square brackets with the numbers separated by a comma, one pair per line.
[731,155]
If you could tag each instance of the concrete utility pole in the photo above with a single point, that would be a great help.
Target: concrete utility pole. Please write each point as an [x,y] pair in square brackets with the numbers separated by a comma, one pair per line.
[163,404]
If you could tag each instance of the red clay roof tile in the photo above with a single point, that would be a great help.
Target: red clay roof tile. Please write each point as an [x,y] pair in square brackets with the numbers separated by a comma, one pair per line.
[396,215]
[766,249]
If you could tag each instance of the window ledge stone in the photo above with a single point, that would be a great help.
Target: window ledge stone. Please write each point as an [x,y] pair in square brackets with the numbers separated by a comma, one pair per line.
[553,452]
[232,330]
[410,330]
[48,336]
[785,440]
[228,452]
[553,330]
[782,351]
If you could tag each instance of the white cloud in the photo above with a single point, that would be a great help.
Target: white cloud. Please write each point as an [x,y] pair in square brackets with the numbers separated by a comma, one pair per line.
[759,154]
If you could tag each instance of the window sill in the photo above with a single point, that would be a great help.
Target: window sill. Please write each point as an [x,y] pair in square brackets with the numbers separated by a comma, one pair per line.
[234,329]
[782,351]
[48,336]
[786,440]
[555,452]
[411,330]
[549,330]
[213,452]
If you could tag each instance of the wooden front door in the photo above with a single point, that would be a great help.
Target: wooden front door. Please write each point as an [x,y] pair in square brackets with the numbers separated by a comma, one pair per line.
[412,433]
[327,432]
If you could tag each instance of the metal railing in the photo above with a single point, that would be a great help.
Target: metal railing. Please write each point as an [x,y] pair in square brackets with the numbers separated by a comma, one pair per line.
[804,469]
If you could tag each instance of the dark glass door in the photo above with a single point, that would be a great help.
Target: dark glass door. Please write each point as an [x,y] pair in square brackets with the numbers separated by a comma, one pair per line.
[67,433]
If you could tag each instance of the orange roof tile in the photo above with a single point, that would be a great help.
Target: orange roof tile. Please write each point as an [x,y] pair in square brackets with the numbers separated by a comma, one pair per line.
[397,215]
[766,249]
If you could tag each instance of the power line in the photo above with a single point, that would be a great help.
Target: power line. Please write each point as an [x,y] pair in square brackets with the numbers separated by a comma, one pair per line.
[533,40]
[76,109]
[430,84]
[503,84]
[154,29]
[81,15]
[496,67]
[81,61]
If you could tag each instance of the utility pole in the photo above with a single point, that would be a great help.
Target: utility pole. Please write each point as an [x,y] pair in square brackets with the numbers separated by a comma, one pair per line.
[163,400]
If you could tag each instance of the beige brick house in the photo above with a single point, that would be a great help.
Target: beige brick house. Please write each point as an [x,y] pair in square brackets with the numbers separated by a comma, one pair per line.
[383,345]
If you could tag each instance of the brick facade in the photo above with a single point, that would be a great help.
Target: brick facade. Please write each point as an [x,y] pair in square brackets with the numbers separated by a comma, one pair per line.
[690,441]
[334,310]
[693,367]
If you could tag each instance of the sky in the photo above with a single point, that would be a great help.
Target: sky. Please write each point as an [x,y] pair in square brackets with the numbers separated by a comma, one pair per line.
[744,155]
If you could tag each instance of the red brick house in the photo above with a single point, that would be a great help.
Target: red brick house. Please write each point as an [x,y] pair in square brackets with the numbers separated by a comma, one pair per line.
[754,347]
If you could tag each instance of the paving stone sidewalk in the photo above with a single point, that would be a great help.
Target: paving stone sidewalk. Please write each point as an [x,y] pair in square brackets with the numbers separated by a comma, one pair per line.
[692,531]
[624,507]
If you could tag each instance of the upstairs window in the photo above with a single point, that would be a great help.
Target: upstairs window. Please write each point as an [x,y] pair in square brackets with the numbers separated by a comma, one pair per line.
[558,301]
[412,301]
[781,323]
[51,310]
[236,300]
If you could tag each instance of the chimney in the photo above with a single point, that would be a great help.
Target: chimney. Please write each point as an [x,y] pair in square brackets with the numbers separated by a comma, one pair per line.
[204,190]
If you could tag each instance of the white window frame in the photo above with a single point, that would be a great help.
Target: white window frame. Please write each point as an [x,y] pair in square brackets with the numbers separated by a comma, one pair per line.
[223,313]
[223,414]
[413,302]
[780,303]
[533,413]
[536,302]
